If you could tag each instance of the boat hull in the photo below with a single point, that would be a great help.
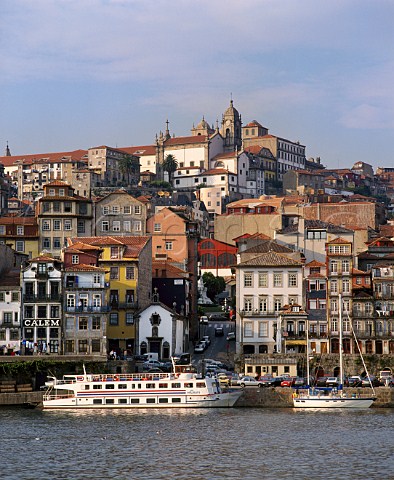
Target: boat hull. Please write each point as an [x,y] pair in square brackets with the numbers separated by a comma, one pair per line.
[332,402]
[221,400]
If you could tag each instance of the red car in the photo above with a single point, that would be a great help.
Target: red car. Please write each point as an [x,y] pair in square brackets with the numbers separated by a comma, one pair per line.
[287,382]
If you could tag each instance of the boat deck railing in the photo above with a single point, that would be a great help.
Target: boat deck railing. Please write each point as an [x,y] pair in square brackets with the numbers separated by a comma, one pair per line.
[118,377]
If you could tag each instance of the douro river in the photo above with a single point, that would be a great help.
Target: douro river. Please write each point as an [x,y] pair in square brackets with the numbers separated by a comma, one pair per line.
[238,443]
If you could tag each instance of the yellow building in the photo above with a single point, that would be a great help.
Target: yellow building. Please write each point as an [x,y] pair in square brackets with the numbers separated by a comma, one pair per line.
[128,263]
[21,234]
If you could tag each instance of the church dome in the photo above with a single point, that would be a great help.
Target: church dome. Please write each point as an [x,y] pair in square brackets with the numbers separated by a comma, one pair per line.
[231,110]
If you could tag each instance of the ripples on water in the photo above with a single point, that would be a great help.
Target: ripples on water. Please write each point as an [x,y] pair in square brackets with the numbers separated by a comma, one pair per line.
[197,444]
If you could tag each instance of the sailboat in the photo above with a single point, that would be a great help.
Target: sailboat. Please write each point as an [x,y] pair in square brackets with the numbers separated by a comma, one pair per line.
[336,398]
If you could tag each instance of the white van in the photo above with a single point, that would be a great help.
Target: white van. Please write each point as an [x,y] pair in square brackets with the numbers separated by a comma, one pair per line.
[151,356]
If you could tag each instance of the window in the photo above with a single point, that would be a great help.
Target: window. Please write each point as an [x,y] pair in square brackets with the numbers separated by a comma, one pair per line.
[56,207]
[137,225]
[56,242]
[115,252]
[96,344]
[83,323]
[55,311]
[57,224]
[75,259]
[168,245]
[81,226]
[130,273]
[105,210]
[292,279]
[42,311]
[83,348]
[70,300]
[127,226]
[67,207]
[345,266]
[263,279]
[277,303]
[346,286]
[46,242]
[14,297]
[2,229]
[96,323]
[248,329]
[67,225]
[277,279]
[7,317]
[42,268]
[248,304]
[129,318]
[137,209]
[96,300]
[20,246]
[263,329]
[127,209]
[105,226]
[157,227]
[248,279]
[46,225]
[20,230]
[116,226]
[115,209]
[333,267]
[114,318]
[263,304]
[114,273]
[334,286]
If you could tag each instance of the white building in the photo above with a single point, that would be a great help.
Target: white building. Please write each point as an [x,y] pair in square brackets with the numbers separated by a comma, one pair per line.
[265,284]
[161,330]
[42,308]
[10,312]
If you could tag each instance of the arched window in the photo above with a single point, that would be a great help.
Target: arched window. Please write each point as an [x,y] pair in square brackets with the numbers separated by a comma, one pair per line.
[226,259]
[207,245]
[334,345]
[166,350]
[143,348]
[208,260]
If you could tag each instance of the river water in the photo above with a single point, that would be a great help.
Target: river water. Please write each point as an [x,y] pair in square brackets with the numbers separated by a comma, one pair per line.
[238,443]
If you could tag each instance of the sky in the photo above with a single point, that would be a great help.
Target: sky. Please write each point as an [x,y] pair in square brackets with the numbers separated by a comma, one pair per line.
[75,74]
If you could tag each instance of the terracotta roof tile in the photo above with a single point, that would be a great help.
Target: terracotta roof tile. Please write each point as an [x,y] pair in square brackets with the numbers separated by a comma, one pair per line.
[270,259]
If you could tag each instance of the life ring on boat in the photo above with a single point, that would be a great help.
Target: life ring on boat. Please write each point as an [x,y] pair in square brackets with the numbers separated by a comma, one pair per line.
[116,378]
[79,379]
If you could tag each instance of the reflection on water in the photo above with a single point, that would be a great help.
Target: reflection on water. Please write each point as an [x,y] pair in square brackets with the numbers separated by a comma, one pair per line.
[197,444]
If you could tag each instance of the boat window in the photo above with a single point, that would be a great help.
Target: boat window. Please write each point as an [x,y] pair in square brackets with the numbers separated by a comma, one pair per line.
[163,385]
[200,384]
[163,400]
[150,385]
[150,400]
[97,401]
[188,385]
[87,387]
[122,386]
[134,400]
[110,386]
[97,387]
[176,400]
[122,400]
[109,400]
[175,385]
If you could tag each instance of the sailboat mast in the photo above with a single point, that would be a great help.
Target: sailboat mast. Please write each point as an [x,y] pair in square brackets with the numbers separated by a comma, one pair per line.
[340,343]
[307,354]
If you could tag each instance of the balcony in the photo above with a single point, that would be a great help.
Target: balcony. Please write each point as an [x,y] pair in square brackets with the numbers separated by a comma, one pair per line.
[42,298]
[258,313]
[86,285]
[131,305]
[88,309]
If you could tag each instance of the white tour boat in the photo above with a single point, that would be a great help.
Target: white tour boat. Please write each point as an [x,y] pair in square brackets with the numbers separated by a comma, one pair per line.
[181,389]
[336,398]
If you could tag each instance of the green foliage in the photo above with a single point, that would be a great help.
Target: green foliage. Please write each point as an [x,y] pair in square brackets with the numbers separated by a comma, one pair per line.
[214,284]
[170,165]
[161,184]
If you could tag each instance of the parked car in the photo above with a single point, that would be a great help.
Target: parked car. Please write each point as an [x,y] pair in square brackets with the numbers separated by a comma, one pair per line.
[223,379]
[204,319]
[248,381]
[152,364]
[207,339]
[230,336]
[217,317]
[287,382]
[219,332]
[199,348]
[332,382]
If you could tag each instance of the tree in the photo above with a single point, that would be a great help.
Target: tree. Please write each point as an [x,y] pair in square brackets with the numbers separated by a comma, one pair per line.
[214,284]
[129,166]
[170,165]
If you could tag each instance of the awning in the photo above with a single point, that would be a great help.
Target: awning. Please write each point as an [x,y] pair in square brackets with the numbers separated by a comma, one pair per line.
[295,342]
